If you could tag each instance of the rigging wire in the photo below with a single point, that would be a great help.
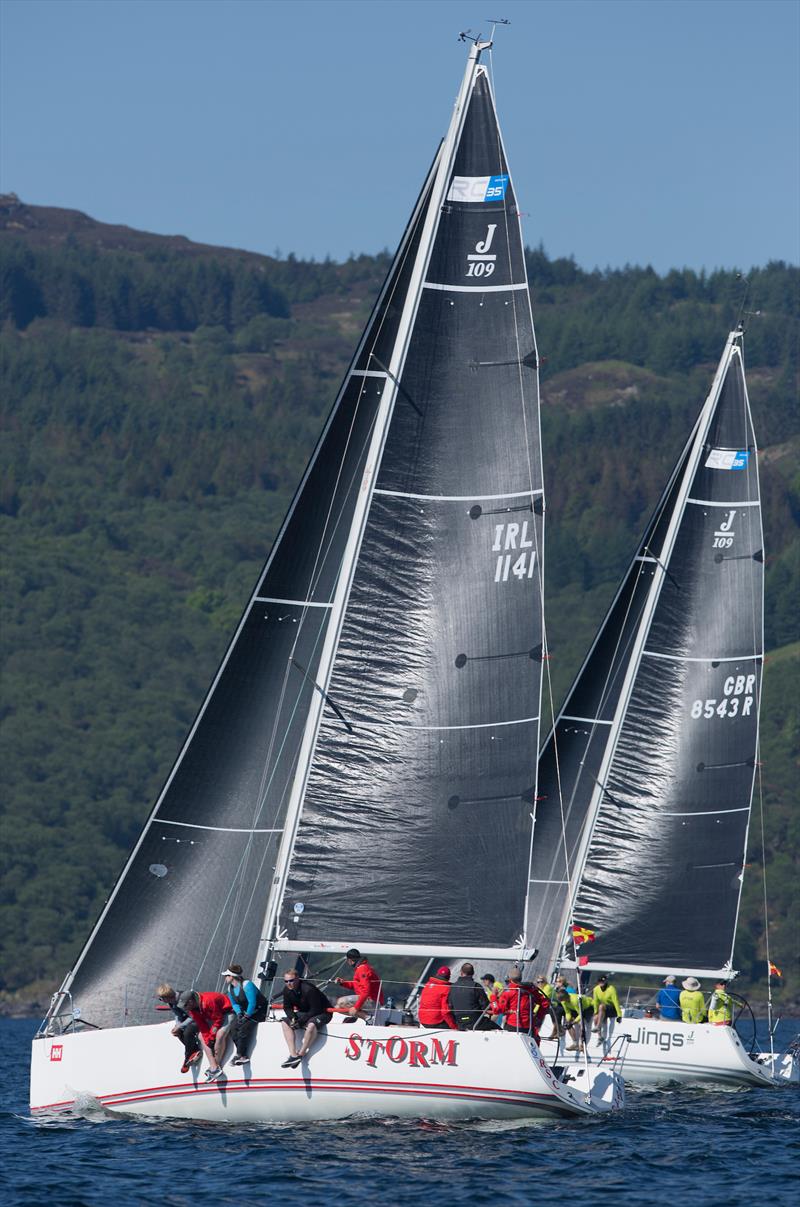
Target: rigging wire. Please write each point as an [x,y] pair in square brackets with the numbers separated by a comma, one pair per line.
[538,546]
[758,651]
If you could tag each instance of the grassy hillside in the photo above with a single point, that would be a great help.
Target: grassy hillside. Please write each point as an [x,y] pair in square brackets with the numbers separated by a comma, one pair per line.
[160,402]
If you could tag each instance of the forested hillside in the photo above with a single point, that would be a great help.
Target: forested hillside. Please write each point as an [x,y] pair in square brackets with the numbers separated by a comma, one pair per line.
[160,400]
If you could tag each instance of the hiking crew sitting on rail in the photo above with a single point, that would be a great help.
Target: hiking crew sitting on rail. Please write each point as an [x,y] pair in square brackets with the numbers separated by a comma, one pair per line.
[606,1002]
[307,1010]
[367,985]
[249,1009]
[185,1028]
[469,1003]
[210,1011]
[576,1012]
[720,1008]
[693,1006]
[525,1006]
[669,1001]
[434,1001]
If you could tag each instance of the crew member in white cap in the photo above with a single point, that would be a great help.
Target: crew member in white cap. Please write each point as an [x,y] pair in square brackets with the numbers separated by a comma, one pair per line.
[669,1001]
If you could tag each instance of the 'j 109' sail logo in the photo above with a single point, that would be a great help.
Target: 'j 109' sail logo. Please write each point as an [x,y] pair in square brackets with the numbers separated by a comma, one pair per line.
[723,536]
[481,263]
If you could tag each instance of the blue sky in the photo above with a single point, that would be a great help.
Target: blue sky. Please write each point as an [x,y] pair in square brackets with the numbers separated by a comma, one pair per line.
[638,131]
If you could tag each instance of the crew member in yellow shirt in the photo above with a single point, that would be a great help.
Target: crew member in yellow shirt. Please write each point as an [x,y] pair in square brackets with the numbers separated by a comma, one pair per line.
[720,1008]
[606,1002]
[693,1006]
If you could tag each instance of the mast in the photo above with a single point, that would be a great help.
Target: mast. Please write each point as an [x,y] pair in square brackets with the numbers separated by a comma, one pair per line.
[345,579]
[660,573]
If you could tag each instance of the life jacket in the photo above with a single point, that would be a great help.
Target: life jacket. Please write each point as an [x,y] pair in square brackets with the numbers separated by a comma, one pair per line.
[238,997]
[720,1009]
[693,1008]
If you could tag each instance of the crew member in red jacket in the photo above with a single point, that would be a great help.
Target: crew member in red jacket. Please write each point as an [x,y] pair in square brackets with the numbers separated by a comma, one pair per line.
[209,1011]
[523,1005]
[434,1001]
[366,982]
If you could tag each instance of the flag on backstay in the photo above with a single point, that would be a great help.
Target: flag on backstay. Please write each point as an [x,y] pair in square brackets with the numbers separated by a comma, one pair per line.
[582,934]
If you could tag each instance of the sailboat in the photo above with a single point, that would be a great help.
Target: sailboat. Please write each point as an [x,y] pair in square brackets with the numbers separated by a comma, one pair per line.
[362,770]
[646,781]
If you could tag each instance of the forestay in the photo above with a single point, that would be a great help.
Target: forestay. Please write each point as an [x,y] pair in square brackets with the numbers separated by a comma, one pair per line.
[416,820]
[656,744]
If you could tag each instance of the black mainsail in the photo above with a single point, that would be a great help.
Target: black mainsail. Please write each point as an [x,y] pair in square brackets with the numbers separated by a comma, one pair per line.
[647,785]
[413,831]
[367,748]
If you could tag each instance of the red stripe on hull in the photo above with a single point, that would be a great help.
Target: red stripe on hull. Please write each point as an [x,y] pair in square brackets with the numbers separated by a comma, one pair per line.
[433,1090]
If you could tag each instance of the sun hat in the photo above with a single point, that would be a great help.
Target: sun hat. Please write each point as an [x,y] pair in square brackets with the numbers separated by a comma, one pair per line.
[691,983]
[669,980]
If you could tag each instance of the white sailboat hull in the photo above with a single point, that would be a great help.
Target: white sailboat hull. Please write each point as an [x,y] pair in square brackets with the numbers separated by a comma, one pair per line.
[404,1072]
[656,1052]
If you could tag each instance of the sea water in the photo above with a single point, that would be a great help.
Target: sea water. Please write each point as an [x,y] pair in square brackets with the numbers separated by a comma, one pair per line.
[728,1147]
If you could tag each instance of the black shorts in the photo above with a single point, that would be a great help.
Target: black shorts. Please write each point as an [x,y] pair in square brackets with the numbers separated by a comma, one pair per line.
[319,1020]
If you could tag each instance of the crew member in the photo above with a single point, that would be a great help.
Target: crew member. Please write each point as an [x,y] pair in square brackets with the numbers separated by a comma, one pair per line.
[576,1013]
[185,1028]
[249,1009]
[210,1012]
[606,1002]
[493,988]
[469,1003]
[367,985]
[434,1001]
[543,985]
[307,1010]
[693,1007]
[524,1006]
[720,1008]
[562,983]
[669,1000]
